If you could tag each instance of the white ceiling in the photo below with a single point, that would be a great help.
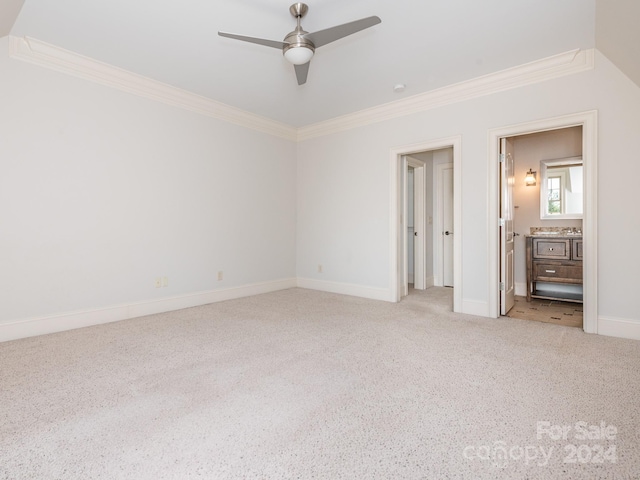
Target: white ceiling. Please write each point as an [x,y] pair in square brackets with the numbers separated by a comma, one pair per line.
[425,44]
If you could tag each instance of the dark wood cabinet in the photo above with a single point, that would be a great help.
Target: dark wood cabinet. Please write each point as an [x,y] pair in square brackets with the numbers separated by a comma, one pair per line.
[554,260]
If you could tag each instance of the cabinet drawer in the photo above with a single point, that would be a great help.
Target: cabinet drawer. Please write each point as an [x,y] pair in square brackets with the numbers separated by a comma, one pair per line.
[557,273]
[543,248]
[576,249]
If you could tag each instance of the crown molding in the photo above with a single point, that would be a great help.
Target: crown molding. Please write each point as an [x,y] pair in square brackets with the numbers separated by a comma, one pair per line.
[567,63]
[46,55]
[50,56]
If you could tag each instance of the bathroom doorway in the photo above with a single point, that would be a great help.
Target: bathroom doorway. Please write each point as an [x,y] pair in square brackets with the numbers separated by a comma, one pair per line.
[532,146]
[522,188]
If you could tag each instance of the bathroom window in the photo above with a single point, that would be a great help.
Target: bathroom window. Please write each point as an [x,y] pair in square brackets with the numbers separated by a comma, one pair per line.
[554,190]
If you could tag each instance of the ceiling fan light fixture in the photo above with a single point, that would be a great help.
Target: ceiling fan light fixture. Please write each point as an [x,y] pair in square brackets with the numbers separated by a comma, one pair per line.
[298,55]
[299,46]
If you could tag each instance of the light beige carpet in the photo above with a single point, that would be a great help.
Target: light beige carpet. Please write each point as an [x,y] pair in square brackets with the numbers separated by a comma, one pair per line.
[304,384]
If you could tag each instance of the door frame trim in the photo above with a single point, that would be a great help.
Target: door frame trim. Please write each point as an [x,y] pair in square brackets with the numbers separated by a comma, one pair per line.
[395,202]
[589,122]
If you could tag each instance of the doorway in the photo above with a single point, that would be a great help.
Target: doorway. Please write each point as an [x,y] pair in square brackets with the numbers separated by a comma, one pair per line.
[429,222]
[523,193]
[499,233]
[437,165]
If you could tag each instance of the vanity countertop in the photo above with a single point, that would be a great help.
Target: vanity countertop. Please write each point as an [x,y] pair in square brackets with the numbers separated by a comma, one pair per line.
[554,235]
[555,232]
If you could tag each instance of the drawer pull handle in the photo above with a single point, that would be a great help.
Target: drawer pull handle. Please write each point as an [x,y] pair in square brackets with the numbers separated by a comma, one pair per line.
[551,249]
[550,271]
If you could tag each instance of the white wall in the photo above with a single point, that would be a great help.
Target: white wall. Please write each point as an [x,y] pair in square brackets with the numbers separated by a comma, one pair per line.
[9,10]
[617,34]
[345,224]
[575,195]
[102,191]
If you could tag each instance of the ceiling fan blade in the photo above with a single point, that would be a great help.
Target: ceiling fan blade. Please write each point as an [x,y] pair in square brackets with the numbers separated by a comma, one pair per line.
[328,35]
[259,41]
[301,73]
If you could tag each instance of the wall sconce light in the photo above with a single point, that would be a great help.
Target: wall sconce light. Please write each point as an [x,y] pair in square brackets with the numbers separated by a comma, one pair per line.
[530,179]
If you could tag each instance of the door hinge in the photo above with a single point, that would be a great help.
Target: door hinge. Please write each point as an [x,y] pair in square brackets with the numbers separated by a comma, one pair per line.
[501,157]
[501,286]
[501,222]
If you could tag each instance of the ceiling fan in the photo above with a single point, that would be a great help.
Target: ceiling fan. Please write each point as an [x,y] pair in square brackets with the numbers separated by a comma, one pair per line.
[299,46]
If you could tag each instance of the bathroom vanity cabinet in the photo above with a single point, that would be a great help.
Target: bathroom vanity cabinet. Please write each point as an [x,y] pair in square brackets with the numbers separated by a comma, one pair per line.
[554,259]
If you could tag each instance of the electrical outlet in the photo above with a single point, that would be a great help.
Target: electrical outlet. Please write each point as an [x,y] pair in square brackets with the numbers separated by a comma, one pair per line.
[165,281]
[220,275]
[319,268]
[158,282]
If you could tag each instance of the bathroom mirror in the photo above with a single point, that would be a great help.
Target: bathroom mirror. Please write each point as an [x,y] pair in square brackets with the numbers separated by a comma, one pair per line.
[561,188]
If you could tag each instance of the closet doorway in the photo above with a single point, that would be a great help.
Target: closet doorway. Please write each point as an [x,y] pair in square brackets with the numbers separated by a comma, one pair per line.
[425,248]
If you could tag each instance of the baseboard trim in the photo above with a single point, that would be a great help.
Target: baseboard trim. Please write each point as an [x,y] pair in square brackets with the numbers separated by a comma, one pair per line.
[475,307]
[345,289]
[520,289]
[619,327]
[31,327]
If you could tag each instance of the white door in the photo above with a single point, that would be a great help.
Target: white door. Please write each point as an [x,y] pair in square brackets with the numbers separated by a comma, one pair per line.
[404,260]
[419,227]
[415,218]
[507,178]
[447,224]
[410,225]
